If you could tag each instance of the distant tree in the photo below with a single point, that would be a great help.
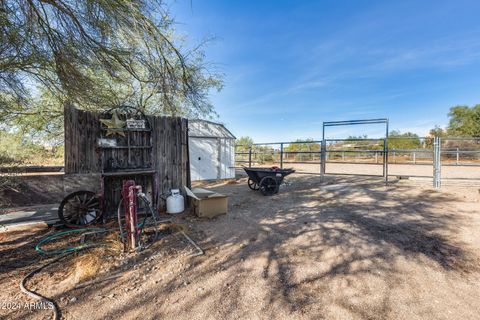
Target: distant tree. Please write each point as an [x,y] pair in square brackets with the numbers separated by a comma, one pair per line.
[407,140]
[357,137]
[43,123]
[97,54]
[264,154]
[464,121]
[302,145]
[437,131]
[244,143]
[17,149]
[356,141]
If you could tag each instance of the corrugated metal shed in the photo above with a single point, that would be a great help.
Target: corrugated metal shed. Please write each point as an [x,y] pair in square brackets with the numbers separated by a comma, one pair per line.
[212,151]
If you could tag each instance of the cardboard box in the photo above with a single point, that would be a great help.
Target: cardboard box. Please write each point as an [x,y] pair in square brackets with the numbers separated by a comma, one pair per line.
[207,203]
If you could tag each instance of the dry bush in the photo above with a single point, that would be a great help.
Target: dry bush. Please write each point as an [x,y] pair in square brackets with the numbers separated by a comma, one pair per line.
[89,264]
[472,146]
[86,266]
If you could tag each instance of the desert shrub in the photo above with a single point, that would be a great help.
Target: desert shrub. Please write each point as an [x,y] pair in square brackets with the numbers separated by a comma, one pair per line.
[303,157]
[265,158]
[473,146]
[16,149]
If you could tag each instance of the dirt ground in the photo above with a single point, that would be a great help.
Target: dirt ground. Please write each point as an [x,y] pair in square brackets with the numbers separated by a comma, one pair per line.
[48,187]
[347,248]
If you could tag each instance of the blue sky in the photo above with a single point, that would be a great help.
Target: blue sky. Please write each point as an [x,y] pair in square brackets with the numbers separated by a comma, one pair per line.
[289,65]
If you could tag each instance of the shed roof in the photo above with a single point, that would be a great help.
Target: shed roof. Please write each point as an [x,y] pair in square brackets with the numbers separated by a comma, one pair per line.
[208,129]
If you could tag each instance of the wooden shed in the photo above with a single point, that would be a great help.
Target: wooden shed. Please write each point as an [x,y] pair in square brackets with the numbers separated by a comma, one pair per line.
[155,155]
[212,151]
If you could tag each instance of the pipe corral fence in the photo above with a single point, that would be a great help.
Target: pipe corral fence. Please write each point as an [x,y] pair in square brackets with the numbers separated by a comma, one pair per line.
[447,159]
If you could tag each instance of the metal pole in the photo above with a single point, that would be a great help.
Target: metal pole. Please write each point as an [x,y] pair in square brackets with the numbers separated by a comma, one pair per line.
[385,163]
[436,163]
[281,155]
[458,158]
[414,158]
[437,182]
[384,158]
[439,162]
[250,157]
[320,157]
[129,191]
[322,153]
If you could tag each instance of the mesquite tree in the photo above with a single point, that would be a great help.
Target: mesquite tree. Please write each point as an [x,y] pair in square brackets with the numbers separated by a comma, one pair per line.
[96,54]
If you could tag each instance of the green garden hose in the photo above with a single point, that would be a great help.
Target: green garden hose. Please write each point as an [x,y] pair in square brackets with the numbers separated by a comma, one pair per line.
[82,246]
[63,252]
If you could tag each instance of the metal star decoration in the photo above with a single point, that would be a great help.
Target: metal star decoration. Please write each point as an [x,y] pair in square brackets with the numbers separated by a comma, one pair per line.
[114,125]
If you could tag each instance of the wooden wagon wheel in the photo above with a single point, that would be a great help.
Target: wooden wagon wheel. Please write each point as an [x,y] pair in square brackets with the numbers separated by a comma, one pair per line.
[253,185]
[268,186]
[79,209]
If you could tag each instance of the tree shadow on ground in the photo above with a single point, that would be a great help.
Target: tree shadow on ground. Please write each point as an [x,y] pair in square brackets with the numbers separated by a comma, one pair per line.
[310,240]
[370,224]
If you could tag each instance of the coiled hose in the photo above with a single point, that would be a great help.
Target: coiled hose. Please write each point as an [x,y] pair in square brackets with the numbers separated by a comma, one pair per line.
[82,246]
[63,252]
[68,250]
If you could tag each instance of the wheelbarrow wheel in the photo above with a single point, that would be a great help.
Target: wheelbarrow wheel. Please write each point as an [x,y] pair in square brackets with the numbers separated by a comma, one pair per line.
[79,209]
[252,184]
[268,186]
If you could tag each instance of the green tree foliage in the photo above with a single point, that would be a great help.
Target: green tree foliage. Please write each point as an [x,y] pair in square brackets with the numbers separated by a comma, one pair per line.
[43,124]
[357,143]
[96,54]
[302,145]
[437,131]
[243,144]
[354,142]
[16,149]
[406,141]
[397,140]
[464,121]
[356,137]
[263,154]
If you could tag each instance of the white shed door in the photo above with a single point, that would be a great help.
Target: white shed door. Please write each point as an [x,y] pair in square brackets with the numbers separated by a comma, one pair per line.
[203,158]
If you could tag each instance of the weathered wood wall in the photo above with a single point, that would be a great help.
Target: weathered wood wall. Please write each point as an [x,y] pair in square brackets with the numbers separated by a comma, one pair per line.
[169,142]
[170,147]
[81,131]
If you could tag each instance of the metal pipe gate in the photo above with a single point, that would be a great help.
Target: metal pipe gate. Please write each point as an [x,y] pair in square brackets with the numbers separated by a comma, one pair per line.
[440,150]
[349,123]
